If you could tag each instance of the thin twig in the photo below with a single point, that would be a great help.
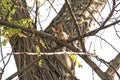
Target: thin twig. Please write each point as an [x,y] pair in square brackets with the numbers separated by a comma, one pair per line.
[108,64]
[93,16]
[23,69]
[1,51]
[91,33]
[110,15]
[52,6]
[6,63]
[36,13]
[4,58]
[108,43]
[116,32]
[77,26]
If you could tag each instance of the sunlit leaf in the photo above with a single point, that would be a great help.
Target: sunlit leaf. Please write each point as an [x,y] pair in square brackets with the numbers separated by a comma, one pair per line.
[21,35]
[74,59]
[37,49]
[78,64]
[13,11]
[80,22]
[40,63]
[9,18]
[43,44]
[4,42]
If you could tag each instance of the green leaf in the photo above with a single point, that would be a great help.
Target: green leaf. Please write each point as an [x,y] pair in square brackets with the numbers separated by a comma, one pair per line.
[13,11]
[4,42]
[9,18]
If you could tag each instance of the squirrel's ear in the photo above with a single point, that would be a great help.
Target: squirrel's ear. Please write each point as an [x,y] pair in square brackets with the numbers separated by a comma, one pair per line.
[53,29]
[60,27]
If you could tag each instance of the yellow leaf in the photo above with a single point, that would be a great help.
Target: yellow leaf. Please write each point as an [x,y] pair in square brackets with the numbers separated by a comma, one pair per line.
[37,49]
[78,64]
[43,44]
[74,59]
[40,63]
[21,35]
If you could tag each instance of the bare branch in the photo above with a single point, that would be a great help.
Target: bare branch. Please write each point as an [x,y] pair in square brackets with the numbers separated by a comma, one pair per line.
[52,6]
[93,16]
[115,63]
[6,63]
[52,53]
[23,70]
[3,58]
[110,15]
[108,43]
[77,26]
[111,67]
[101,28]
[116,32]
[91,33]
[1,51]
[43,34]
[36,13]
[40,33]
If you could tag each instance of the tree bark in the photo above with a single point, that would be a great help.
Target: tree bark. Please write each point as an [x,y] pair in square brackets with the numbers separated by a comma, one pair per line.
[55,67]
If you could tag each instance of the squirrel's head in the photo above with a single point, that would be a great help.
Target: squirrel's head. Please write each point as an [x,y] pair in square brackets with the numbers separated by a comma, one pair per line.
[58,29]
[59,33]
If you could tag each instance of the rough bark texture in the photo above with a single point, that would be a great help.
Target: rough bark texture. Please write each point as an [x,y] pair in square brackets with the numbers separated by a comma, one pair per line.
[52,67]
[22,44]
[84,11]
[55,67]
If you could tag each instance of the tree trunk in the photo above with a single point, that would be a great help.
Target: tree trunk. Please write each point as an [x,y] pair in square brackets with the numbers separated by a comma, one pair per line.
[54,67]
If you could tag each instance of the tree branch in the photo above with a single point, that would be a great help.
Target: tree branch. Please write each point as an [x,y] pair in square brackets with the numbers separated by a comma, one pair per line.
[115,64]
[108,43]
[40,33]
[110,15]
[91,33]
[51,53]
[48,36]
[23,70]
[76,25]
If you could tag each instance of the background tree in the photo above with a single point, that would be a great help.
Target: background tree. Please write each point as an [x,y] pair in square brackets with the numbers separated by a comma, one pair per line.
[77,18]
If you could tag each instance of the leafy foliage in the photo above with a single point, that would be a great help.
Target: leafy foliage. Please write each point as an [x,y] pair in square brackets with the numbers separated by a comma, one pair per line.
[25,22]
[8,9]
[75,60]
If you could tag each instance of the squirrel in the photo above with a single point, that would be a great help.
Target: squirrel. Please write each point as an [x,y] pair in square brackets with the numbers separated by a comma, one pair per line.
[60,34]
